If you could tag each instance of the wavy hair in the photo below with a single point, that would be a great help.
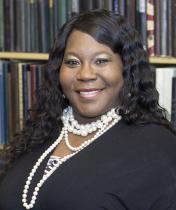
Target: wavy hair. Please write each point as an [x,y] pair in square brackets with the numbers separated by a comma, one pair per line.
[139,98]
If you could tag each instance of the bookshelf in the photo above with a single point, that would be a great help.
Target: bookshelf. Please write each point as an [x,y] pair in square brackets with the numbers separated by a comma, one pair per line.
[156,60]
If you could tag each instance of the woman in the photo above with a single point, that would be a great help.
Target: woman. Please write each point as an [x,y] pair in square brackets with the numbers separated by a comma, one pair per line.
[99,139]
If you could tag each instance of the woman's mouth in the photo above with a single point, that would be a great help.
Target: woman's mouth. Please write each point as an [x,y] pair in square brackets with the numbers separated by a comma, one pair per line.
[89,93]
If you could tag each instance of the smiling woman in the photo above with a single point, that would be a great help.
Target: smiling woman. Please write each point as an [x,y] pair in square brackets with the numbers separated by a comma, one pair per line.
[98,138]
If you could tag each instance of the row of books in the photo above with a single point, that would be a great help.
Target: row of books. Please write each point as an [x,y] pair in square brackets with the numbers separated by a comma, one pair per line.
[31,25]
[19,84]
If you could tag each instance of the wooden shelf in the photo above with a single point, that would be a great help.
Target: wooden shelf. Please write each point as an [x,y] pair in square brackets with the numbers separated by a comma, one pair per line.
[1,146]
[162,60]
[23,56]
[44,56]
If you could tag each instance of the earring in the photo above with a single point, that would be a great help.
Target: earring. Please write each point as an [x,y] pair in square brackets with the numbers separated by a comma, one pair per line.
[129,94]
[63,96]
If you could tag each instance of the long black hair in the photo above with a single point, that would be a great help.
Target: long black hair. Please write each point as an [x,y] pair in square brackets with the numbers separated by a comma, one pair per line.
[139,98]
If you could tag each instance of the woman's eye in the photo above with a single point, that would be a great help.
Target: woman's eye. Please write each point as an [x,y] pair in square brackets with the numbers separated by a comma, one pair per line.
[71,63]
[101,61]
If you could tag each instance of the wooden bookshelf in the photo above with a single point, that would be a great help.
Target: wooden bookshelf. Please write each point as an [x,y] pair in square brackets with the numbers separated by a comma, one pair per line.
[44,56]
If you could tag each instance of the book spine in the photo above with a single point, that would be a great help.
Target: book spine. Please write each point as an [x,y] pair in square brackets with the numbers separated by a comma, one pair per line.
[33,83]
[34,37]
[51,22]
[86,5]
[131,12]
[2,47]
[56,16]
[169,25]
[14,97]
[174,28]
[75,7]
[108,4]
[98,4]
[9,28]
[6,102]
[2,128]
[20,95]
[164,28]
[29,87]
[43,25]
[173,112]
[141,20]
[69,9]
[28,26]
[122,7]
[62,11]
[157,26]
[23,24]
[18,37]
[10,104]
[150,28]
[25,91]
[115,7]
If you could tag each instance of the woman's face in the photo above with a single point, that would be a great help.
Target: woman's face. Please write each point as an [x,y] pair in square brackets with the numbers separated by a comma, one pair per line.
[90,76]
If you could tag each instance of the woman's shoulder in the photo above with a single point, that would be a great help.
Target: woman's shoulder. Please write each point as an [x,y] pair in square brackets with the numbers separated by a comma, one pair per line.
[149,131]
[152,141]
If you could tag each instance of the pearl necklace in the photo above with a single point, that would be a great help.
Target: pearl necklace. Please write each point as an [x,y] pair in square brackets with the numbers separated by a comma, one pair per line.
[84,129]
[63,133]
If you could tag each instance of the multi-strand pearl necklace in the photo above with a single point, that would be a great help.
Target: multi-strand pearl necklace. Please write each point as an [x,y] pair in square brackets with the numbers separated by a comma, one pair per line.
[106,122]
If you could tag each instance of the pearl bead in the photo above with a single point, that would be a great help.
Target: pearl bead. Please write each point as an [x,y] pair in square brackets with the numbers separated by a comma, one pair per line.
[37,189]
[24,200]
[34,198]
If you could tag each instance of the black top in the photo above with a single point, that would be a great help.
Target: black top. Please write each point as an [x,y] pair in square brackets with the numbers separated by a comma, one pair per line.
[129,167]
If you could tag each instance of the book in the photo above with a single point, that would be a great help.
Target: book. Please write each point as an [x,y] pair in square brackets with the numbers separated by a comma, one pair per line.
[28,26]
[75,7]
[2,47]
[150,28]
[9,25]
[173,109]
[141,20]
[25,91]
[157,31]
[10,104]
[18,28]
[164,86]
[23,25]
[34,25]
[51,22]
[43,13]
[115,7]
[122,7]
[5,67]
[174,28]
[15,96]
[85,5]
[108,4]
[20,95]
[164,28]
[62,11]
[2,128]
[131,11]
[98,4]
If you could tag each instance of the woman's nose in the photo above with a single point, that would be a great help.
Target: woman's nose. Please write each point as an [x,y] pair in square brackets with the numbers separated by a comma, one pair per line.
[86,72]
